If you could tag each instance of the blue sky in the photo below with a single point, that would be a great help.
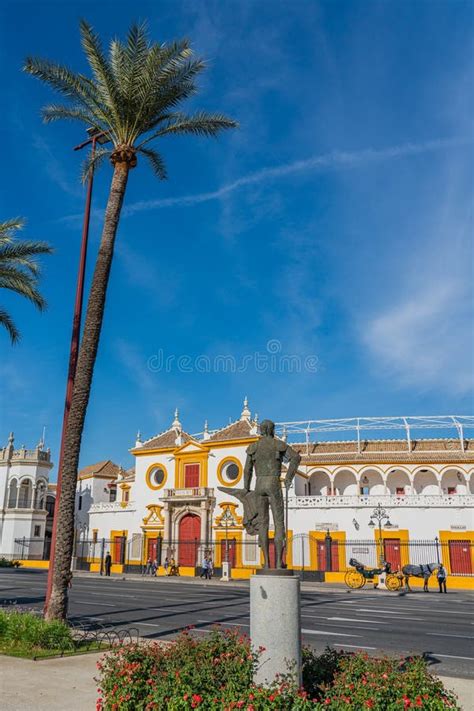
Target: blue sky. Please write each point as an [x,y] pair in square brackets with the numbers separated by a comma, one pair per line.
[335,225]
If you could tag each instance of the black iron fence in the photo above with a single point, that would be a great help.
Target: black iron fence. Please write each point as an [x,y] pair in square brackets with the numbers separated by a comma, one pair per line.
[314,554]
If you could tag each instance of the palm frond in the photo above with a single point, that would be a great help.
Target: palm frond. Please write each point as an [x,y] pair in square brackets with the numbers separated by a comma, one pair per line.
[7,322]
[9,227]
[22,253]
[23,284]
[156,162]
[54,112]
[93,161]
[105,80]
[201,124]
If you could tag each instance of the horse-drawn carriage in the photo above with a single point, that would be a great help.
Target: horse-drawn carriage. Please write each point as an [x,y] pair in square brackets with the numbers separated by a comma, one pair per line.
[358,577]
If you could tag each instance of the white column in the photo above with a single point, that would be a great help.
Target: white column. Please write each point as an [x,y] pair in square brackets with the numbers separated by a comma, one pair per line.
[203,533]
[275,624]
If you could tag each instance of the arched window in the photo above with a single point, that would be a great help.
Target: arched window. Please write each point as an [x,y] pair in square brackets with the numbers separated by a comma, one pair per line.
[25,496]
[12,494]
[40,495]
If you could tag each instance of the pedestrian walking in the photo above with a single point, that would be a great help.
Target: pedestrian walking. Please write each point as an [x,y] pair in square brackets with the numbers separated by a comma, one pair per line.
[154,567]
[442,578]
[108,563]
[210,568]
[204,567]
[148,567]
[166,565]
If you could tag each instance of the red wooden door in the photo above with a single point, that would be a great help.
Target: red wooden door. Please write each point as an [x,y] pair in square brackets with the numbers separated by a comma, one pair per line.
[460,557]
[322,555]
[231,547]
[189,531]
[391,547]
[153,549]
[191,476]
[118,549]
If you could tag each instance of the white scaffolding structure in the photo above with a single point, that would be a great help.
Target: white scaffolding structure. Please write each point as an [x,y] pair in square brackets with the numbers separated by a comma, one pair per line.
[359,425]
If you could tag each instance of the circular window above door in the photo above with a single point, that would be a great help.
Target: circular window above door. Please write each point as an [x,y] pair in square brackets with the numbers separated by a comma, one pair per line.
[229,472]
[156,476]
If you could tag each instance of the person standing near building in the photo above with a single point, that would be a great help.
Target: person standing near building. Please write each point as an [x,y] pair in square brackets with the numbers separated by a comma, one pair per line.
[108,563]
[441,575]
[204,567]
[154,567]
[166,565]
[210,568]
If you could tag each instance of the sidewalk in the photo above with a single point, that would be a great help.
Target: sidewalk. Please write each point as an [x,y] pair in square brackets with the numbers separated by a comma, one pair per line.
[46,685]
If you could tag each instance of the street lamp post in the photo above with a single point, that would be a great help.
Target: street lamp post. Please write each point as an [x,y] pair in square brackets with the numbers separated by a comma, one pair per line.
[226,519]
[381,516]
[94,138]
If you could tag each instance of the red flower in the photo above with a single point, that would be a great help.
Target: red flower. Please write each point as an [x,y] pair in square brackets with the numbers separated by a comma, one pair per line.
[419,702]
[406,702]
[196,700]
[271,697]
[327,701]
[369,703]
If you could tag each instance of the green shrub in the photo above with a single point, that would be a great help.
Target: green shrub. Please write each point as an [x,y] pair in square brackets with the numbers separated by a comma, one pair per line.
[5,563]
[26,630]
[362,682]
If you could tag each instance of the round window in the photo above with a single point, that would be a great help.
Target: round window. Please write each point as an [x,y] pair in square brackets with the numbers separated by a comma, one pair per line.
[230,472]
[156,477]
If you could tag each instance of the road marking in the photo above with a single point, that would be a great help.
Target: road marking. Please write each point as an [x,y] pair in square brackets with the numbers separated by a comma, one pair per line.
[444,634]
[350,619]
[354,646]
[399,615]
[88,602]
[329,634]
[451,656]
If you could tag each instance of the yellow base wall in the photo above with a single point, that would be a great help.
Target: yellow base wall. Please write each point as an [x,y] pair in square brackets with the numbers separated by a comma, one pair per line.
[43,564]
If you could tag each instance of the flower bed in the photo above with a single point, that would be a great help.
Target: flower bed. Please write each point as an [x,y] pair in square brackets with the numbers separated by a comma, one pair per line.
[216,673]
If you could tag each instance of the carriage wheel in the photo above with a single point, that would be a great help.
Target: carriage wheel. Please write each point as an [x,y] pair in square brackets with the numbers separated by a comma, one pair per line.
[354,579]
[393,583]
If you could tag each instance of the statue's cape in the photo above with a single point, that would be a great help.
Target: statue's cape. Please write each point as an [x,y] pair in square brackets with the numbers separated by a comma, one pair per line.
[249,501]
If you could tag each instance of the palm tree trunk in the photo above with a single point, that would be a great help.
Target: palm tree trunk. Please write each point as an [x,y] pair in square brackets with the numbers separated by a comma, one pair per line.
[57,608]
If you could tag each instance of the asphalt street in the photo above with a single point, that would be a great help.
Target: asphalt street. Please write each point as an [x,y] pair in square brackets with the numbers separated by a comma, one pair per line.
[441,626]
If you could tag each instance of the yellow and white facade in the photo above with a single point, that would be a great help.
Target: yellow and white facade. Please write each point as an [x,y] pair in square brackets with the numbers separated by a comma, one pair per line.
[170,504]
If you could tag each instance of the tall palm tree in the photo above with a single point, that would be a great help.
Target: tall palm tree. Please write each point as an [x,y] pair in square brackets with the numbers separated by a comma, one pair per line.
[19,270]
[132,98]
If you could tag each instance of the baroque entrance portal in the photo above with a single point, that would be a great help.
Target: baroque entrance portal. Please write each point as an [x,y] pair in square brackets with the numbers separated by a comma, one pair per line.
[189,532]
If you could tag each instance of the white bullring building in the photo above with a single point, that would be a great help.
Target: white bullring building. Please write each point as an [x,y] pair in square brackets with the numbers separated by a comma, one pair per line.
[168,504]
[24,490]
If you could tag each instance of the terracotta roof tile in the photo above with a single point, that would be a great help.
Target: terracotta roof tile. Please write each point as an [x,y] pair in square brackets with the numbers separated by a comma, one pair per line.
[107,468]
[241,429]
[165,439]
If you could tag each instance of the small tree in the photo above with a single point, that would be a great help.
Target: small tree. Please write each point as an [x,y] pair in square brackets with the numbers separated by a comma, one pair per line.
[19,270]
[132,99]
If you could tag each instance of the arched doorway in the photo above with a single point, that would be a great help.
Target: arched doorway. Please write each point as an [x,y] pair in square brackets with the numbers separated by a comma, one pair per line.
[189,531]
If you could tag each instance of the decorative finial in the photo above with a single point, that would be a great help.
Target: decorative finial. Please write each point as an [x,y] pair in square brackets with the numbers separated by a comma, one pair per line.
[206,434]
[176,423]
[245,414]
[11,439]
[284,435]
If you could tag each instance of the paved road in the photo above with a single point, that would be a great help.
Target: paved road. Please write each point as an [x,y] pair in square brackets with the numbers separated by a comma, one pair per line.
[439,625]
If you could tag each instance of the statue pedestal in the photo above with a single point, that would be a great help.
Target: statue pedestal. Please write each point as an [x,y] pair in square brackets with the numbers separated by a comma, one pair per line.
[275,624]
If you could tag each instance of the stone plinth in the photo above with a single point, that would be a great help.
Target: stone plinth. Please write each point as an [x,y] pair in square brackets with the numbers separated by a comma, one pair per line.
[275,624]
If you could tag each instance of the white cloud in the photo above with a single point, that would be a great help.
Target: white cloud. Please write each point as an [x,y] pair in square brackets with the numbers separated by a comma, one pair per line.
[327,161]
[54,168]
[424,339]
